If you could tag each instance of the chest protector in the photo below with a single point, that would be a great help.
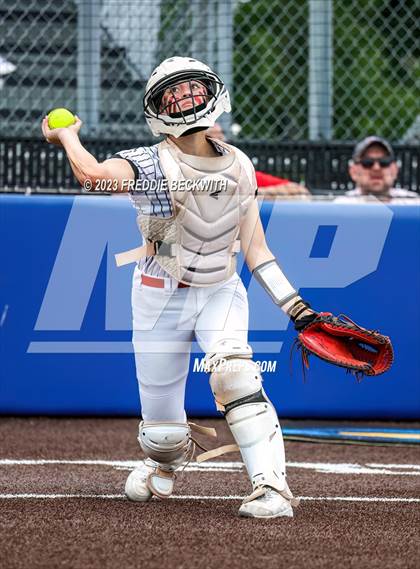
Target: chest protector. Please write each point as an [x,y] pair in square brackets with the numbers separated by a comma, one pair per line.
[197,245]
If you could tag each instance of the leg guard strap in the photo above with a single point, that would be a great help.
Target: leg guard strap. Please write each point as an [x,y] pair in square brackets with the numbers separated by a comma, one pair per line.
[161,483]
[260,491]
[167,446]
[257,397]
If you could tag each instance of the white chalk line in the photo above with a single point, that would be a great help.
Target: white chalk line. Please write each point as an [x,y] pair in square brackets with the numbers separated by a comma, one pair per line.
[123,464]
[192,497]
[378,465]
[321,467]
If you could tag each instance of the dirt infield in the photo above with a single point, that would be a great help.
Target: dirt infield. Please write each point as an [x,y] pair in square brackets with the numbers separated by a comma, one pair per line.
[62,504]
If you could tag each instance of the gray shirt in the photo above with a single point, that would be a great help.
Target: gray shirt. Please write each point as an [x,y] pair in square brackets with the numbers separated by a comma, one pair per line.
[393,193]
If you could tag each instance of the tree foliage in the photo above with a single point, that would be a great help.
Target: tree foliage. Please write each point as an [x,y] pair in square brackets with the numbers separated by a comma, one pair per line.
[376,68]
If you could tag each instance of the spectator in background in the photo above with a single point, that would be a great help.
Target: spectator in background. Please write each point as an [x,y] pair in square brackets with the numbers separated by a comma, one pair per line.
[267,184]
[374,170]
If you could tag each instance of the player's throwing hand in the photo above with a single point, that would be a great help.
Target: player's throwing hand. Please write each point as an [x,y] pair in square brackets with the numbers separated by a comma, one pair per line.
[54,135]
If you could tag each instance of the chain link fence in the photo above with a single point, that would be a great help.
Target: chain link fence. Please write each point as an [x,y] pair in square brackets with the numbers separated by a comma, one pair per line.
[296,69]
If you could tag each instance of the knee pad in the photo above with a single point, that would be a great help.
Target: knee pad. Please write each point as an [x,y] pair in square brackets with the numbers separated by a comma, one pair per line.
[225,350]
[236,382]
[165,443]
[234,376]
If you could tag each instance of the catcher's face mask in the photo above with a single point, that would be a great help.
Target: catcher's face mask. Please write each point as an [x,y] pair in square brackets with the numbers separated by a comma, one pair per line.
[183,94]
[184,99]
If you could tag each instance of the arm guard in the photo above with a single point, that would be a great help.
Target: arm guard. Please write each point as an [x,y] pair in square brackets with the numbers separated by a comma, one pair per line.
[274,281]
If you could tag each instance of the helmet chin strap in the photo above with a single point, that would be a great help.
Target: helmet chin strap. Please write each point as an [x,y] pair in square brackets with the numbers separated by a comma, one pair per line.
[194,130]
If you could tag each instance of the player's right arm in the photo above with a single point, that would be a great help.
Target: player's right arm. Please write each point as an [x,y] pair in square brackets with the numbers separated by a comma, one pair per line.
[88,171]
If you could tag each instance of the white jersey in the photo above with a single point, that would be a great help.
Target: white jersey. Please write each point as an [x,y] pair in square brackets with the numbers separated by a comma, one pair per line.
[153,202]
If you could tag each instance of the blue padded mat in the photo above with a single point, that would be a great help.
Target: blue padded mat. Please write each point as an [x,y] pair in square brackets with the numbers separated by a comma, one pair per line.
[348,434]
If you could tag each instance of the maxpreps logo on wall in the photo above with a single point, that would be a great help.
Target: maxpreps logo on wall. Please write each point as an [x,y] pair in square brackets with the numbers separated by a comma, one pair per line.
[265,366]
[319,245]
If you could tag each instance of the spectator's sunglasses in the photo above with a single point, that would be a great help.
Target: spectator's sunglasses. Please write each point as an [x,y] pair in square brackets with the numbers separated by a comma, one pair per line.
[369,162]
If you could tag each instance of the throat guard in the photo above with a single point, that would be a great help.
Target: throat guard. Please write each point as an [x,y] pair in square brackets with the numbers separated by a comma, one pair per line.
[210,196]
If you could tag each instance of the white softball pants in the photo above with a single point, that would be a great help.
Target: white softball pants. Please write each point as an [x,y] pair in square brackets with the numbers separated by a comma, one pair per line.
[166,322]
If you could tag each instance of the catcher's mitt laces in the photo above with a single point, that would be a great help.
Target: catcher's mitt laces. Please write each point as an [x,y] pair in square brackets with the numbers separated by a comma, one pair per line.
[298,346]
[345,319]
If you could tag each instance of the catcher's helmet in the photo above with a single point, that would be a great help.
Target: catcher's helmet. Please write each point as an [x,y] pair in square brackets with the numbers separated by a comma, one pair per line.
[172,72]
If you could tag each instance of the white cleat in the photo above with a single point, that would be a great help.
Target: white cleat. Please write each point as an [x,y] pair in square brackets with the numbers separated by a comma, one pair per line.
[270,504]
[136,485]
[147,480]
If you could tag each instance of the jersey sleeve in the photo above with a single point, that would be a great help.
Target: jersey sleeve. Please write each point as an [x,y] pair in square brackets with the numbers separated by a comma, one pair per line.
[137,158]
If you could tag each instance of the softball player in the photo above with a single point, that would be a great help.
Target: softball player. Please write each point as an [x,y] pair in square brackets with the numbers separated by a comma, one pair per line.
[196,204]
